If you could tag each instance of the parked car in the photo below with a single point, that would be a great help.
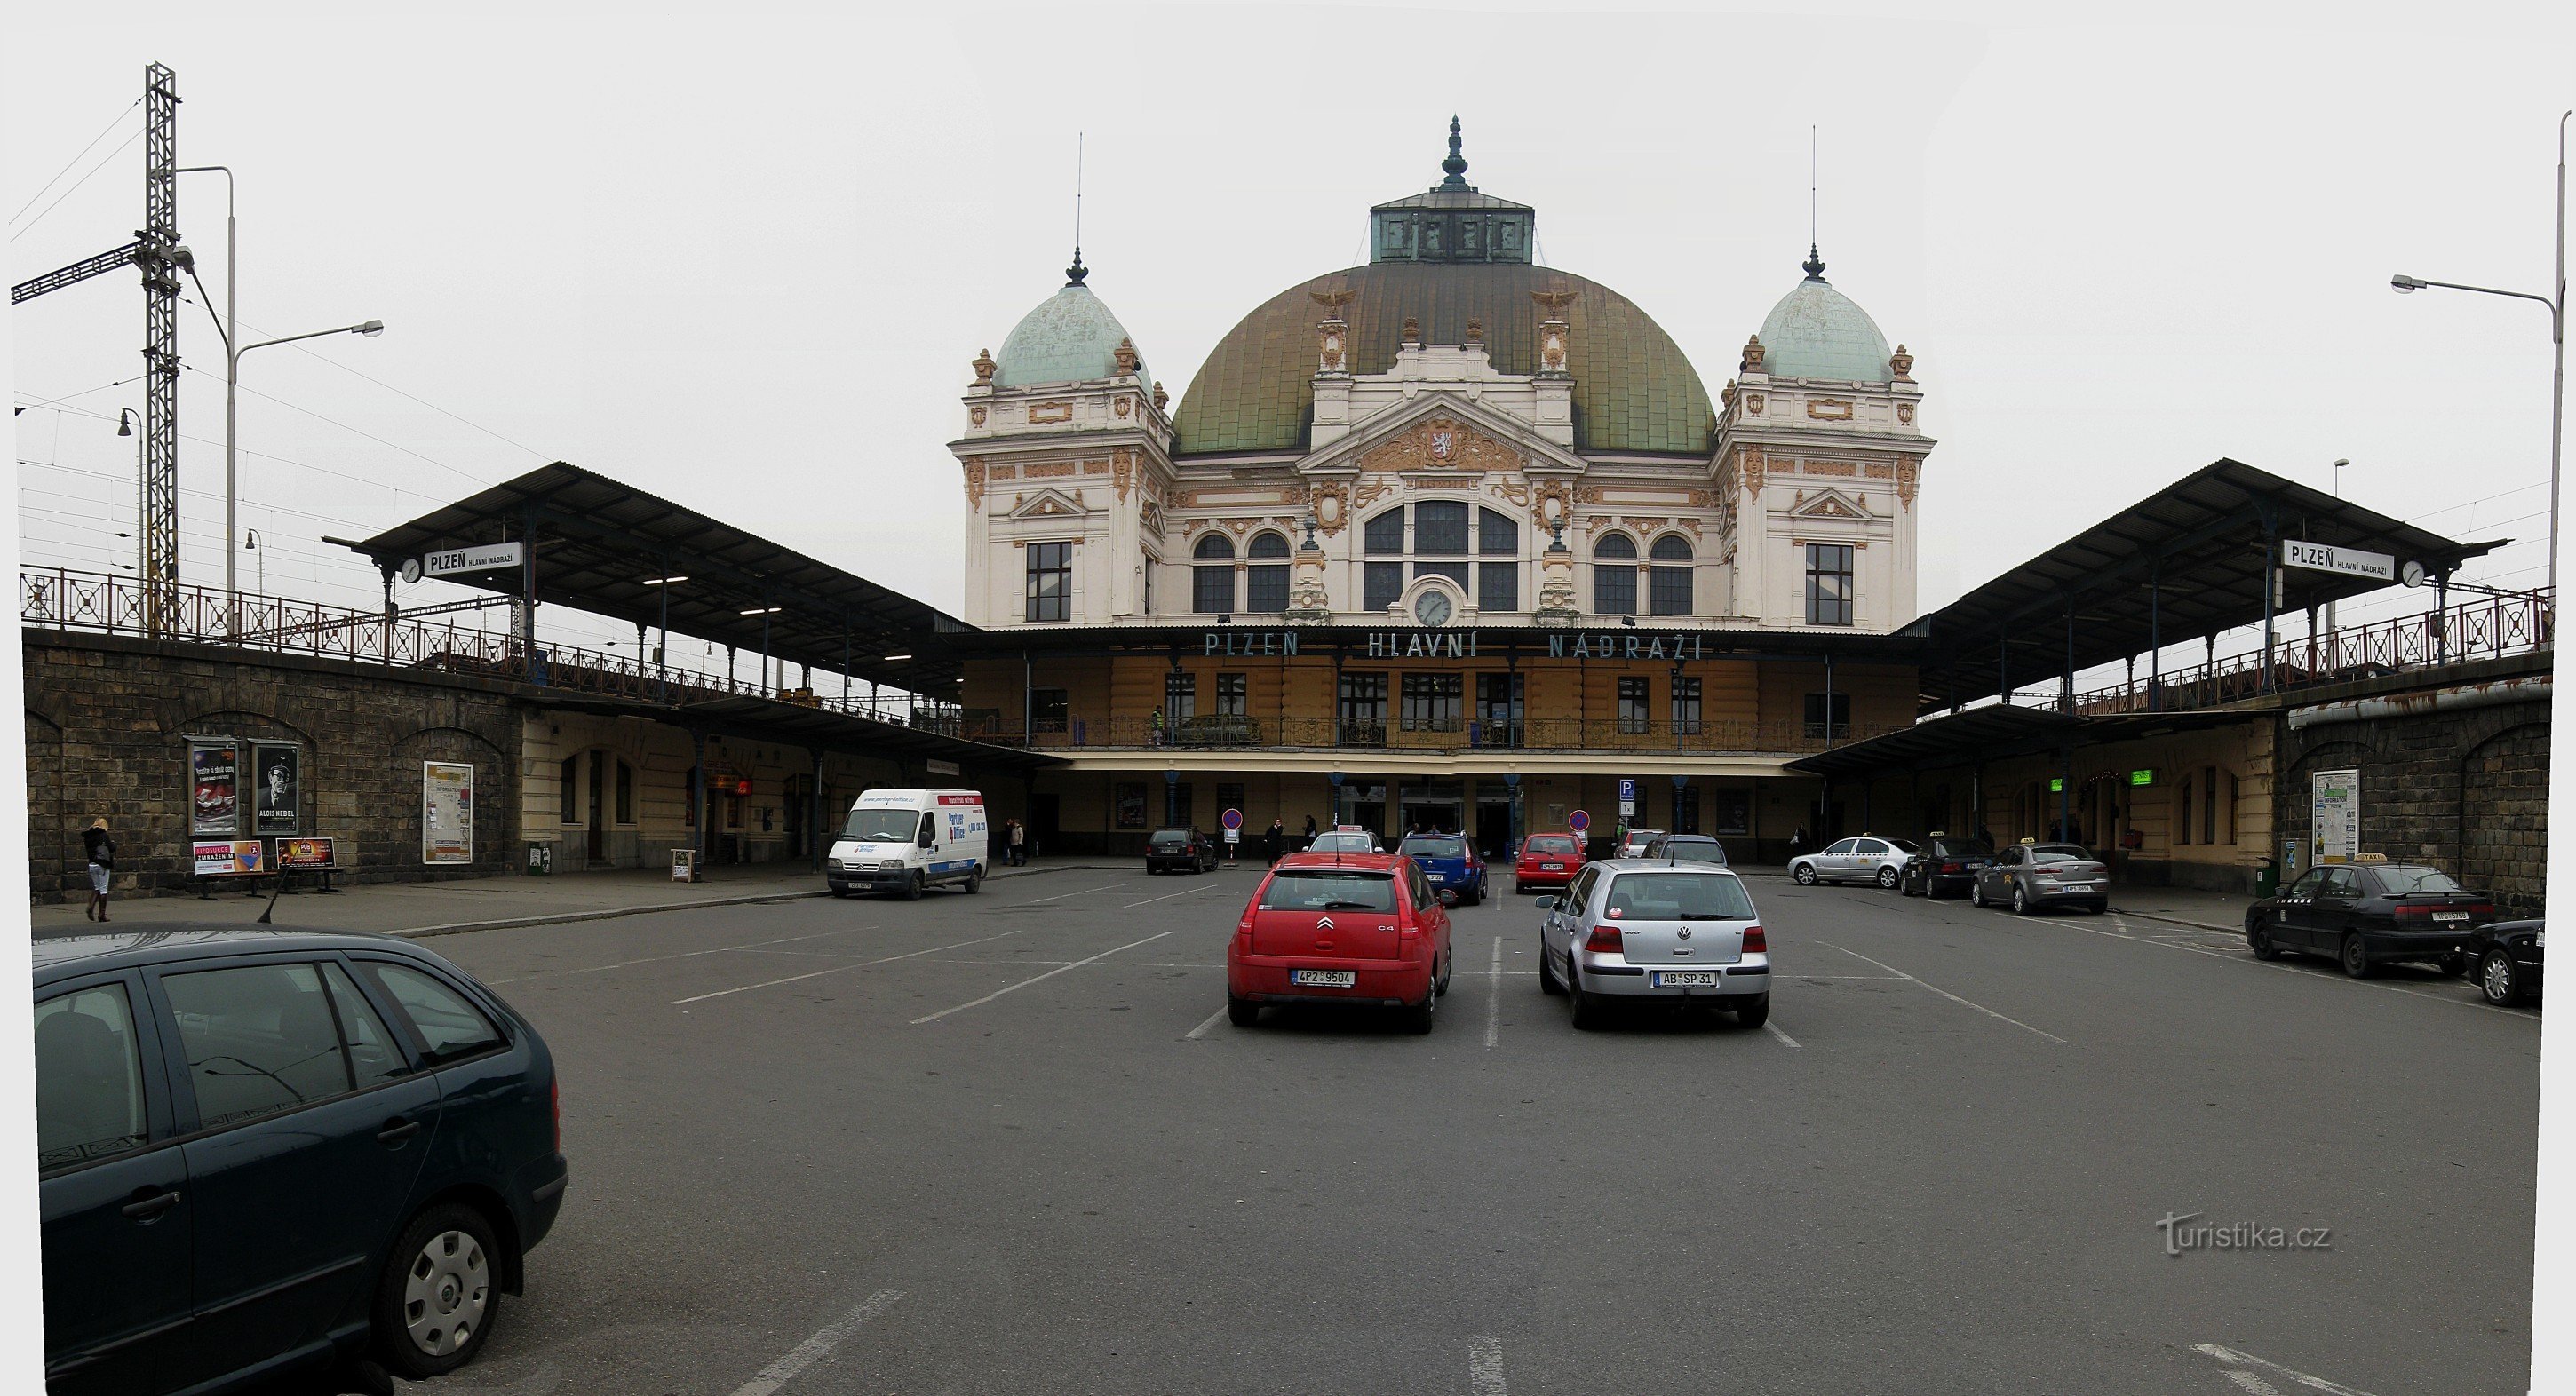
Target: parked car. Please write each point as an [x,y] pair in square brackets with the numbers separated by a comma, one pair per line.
[1449,864]
[907,841]
[1948,863]
[1547,860]
[1179,850]
[1632,931]
[1863,859]
[264,1151]
[1340,928]
[2506,955]
[2029,876]
[1632,844]
[1347,839]
[2368,914]
[1687,848]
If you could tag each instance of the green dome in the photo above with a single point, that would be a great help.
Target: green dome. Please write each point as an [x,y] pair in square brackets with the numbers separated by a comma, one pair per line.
[1633,389]
[1070,338]
[1817,332]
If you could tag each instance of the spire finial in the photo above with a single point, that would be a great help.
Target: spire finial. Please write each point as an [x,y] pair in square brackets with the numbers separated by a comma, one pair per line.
[1073,274]
[1814,265]
[1456,165]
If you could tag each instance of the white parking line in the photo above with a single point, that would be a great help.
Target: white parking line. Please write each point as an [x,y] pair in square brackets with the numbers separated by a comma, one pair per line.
[1485,1366]
[1954,998]
[1149,901]
[2241,1360]
[1774,1029]
[836,969]
[818,1347]
[1201,1030]
[680,955]
[1494,1016]
[1050,974]
[1060,896]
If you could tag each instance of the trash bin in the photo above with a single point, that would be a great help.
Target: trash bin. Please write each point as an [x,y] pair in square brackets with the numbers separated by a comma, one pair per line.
[2267,877]
[541,859]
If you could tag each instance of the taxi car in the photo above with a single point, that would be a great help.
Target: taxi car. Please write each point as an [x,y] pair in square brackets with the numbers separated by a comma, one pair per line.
[1360,928]
[2369,913]
[2508,957]
[2031,876]
[1547,860]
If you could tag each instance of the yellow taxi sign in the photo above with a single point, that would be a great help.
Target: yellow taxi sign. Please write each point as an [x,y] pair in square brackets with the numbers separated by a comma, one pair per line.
[2030,841]
[2371,858]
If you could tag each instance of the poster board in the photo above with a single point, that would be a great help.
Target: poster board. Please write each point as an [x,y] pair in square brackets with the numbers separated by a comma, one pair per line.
[227,857]
[2334,815]
[277,786]
[446,812]
[214,786]
[307,855]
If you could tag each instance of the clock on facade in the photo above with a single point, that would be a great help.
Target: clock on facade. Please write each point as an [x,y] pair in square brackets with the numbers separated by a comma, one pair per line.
[1432,608]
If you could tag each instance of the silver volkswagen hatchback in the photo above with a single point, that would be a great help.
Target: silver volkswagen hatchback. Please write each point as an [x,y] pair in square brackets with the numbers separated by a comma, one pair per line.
[1631,930]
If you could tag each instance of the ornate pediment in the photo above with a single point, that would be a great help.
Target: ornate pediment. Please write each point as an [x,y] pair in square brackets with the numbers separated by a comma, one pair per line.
[1828,504]
[1440,443]
[1047,504]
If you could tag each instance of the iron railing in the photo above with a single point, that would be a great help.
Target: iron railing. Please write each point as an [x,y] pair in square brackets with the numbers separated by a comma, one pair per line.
[100,603]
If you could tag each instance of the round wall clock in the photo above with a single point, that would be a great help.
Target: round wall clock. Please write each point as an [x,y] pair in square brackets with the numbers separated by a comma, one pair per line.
[1432,608]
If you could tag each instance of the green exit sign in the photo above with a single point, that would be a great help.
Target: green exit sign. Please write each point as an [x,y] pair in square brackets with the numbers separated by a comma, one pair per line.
[2142,777]
[2057,785]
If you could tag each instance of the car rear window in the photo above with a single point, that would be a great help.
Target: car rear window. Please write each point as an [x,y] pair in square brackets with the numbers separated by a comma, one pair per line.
[1679,896]
[2059,853]
[449,1027]
[1551,845]
[89,1077]
[2398,881]
[1435,847]
[1963,848]
[1329,889]
[1170,837]
[1699,850]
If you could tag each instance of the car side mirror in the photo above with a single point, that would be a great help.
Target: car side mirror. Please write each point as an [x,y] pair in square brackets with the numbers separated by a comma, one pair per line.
[929,839]
[1548,903]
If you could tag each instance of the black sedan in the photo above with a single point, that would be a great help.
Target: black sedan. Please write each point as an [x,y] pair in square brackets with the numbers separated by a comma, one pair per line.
[1180,850]
[262,1152]
[1947,865]
[2369,914]
[2505,955]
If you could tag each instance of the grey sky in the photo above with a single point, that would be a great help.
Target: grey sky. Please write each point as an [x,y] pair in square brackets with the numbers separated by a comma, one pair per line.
[743,261]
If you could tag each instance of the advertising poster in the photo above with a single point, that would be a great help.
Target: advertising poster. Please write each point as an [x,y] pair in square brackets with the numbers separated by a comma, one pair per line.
[1131,804]
[277,776]
[226,858]
[306,855]
[215,791]
[446,812]
[2335,815]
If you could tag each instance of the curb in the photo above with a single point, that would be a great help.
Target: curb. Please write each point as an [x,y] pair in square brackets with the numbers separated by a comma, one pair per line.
[2181,921]
[611,913]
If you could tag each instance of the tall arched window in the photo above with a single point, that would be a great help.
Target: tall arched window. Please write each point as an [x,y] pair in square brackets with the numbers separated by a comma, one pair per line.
[1265,582]
[1670,577]
[1382,576]
[1212,575]
[1498,575]
[1614,576]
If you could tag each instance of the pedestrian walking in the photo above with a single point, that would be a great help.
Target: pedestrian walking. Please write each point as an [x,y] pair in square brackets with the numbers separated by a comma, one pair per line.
[1159,734]
[1798,841]
[1310,831]
[1019,844]
[101,851]
[1278,839]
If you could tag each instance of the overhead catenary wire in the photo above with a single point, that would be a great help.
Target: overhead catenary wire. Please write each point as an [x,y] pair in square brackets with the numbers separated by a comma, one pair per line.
[468,475]
[30,225]
[103,133]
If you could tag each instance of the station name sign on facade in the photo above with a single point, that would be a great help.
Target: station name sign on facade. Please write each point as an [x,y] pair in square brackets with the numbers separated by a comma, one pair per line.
[2350,562]
[1463,644]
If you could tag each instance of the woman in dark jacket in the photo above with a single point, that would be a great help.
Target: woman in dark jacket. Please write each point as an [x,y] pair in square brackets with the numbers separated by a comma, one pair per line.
[102,865]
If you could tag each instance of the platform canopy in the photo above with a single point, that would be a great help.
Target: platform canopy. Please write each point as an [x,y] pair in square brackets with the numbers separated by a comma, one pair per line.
[1992,733]
[604,547]
[2188,561]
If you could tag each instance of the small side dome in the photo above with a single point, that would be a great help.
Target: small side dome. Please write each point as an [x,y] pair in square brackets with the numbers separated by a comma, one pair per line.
[1817,332]
[1070,338]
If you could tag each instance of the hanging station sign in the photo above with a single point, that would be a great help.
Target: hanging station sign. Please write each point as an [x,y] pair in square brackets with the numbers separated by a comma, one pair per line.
[482,557]
[2349,562]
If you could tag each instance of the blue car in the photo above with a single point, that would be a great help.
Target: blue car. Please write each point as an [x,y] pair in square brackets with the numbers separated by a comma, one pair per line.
[1451,865]
[261,1152]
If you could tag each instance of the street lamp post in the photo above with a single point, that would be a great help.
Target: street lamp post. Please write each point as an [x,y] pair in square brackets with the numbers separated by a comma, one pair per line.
[125,419]
[2556,302]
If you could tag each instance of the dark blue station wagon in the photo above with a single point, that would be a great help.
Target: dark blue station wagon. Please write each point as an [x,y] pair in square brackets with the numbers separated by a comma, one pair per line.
[261,1151]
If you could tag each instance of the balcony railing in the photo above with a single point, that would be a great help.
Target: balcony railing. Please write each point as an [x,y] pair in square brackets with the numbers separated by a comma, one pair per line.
[97,603]
[1222,732]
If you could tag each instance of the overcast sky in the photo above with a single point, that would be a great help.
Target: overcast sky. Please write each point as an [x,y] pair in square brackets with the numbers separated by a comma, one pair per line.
[743,261]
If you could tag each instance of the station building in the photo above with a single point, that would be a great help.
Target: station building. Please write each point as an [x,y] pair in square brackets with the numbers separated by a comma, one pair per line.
[1447,538]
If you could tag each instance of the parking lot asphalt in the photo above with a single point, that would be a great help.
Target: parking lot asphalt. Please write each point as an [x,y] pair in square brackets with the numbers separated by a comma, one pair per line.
[1008,1143]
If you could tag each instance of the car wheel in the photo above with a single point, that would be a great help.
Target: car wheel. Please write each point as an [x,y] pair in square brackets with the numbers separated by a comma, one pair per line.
[913,888]
[1548,983]
[2497,981]
[2021,900]
[2259,940]
[439,1294]
[1754,1012]
[1804,874]
[975,880]
[2356,957]
[1581,1009]
[1419,1018]
[1243,1013]
[1977,894]
[1886,877]
[1442,988]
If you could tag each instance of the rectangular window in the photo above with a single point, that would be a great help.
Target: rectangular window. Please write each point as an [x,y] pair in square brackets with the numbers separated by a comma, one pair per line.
[1382,583]
[1614,589]
[89,1078]
[2182,813]
[1176,805]
[1632,706]
[1686,809]
[1384,535]
[1498,710]
[1212,589]
[1364,709]
[1496,534]
[1149,583]
[1434,702]
[1731,812]
[1454,571]
[1816,723]
[1498,586]
[1265,588]
[2235,792]
[1829,584]
[1049,709]
[625,793]
[1671,590]
[1440,529]
[2209,805]
[570,794]
[1180,696]
[1050,581]
[1686,707]
[1230,697]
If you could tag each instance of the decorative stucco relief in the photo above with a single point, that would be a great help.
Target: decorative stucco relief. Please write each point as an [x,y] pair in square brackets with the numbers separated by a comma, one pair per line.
[1441,443]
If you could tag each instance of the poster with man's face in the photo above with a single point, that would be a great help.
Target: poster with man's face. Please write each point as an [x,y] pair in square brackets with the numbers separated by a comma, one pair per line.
[277,785]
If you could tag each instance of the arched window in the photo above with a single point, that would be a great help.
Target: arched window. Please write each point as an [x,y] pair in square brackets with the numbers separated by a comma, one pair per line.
[1265,582]
[1498,575]
[1670,578]
[1212,578]
[1381,582]
[1614,576]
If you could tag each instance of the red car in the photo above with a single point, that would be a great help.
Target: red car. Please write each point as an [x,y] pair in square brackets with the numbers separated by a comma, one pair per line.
[1340,928]
[1547,860]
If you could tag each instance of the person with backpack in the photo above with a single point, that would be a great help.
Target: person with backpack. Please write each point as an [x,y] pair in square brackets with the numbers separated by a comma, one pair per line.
[101,851]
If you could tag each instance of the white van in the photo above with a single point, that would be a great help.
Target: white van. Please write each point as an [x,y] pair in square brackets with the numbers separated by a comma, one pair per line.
[908,840]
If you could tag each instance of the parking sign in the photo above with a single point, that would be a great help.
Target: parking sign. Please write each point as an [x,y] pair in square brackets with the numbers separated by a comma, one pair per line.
[1627,798]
